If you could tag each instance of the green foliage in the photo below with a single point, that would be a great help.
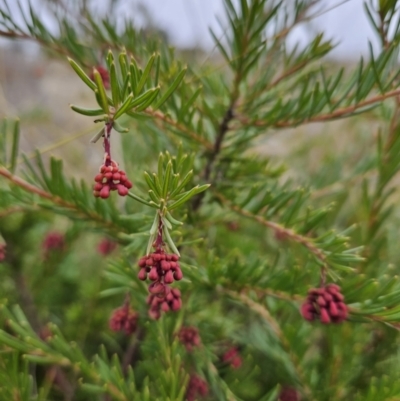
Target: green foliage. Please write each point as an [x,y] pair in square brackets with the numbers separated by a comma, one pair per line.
[254,232]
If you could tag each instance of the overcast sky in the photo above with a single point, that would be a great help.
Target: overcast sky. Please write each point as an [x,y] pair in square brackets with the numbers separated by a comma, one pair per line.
[187,22]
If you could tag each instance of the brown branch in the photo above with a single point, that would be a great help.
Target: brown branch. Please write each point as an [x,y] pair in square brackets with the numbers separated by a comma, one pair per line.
[339,113]
[280,230]
[193,135]
[55,199]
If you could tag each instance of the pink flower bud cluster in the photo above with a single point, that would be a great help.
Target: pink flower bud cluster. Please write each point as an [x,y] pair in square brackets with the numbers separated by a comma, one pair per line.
[189,337]
[289,394]
[326,304]
[106,246]
[53,241]
[196,387]
[163,269]
[169,299]
[232,357]
[111,178]
[124,319]
[2,252]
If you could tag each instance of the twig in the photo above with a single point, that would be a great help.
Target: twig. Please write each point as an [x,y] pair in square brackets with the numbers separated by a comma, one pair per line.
[279,229]
[339,113]
[55,199]
[162,117]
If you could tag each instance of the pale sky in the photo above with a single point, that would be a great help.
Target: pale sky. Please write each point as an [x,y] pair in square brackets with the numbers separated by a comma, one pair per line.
[187,22]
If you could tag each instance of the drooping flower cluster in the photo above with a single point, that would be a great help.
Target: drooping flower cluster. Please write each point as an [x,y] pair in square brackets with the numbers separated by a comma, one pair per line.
[196,387]
[2,252]
[232,357]
[326,304]
[163,269]
[110,178]
[167,300]
[124,319]
[160,267]
[189,337]
[289,394]
[106,246]
[53,242]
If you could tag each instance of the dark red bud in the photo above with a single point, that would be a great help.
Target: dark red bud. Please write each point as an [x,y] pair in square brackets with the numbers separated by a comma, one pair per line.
[105,192]
[178,274]
[168,278]
[153,275]
[325,318]
[122,191]
[142,275]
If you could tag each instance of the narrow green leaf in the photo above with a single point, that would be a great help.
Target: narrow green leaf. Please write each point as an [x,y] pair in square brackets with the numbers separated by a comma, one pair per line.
[149,101]
[185,180]
[170,90]
[87,112]
[114,85]
[187,195]
[82,74]
[15,147]
[142,98]
[158,59]
[145,74]
[101,91]
[124,107]
[151,183]
[167,179]
[120,128]
[171,244]
[172,220]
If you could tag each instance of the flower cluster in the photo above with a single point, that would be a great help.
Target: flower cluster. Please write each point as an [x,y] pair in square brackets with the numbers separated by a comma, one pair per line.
[163,269]
[124,318]
[289,394]
[232,357]
[189,337]
[110,178]
[106,246]
[160,267]
[53,242]
[166,300]
[2,252]
[326,304]
[196,387]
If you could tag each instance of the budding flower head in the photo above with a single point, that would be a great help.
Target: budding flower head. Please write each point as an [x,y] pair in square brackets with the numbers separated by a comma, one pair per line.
[124,319]
[232,357]
[189,337]
[289,394]
[53,242]
[196,387]
[110,178]
[106,246]
[326,304]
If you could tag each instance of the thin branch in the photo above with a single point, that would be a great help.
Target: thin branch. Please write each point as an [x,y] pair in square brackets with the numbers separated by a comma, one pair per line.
[339,113]
[280,230]
[168,120]
[55,199]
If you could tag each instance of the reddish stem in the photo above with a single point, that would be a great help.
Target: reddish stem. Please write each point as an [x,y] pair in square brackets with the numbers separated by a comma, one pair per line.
[107,144]
[159,240]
